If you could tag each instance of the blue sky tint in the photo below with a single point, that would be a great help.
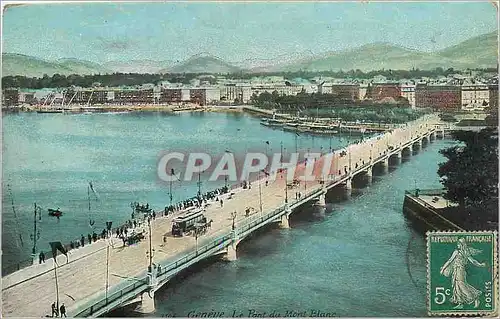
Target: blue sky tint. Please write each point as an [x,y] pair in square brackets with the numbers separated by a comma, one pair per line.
[103,32]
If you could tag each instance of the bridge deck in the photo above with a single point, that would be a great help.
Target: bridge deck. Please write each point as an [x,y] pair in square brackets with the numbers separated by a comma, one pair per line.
[82,280]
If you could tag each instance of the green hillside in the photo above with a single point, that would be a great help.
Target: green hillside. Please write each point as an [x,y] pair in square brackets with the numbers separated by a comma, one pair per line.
[481,51]
[477,52]
[19,64]
[82,66]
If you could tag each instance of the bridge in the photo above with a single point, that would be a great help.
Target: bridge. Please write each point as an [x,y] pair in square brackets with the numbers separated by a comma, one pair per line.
[94,283]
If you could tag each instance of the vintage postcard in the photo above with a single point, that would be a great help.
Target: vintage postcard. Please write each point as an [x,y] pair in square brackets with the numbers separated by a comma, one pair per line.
[222,159]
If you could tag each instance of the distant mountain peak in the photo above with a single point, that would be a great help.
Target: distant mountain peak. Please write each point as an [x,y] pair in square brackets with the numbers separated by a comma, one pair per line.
[203,63]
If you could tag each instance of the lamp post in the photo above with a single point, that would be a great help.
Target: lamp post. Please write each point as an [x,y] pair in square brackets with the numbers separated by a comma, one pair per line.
[57,285]
[305,180]
[286,192]
[233,216]
[36,234]
[349,149]
[267,150]
[199,185]
[170,194]
[107,272]
[260,193]
[150,267]
[196,240]
[281,157]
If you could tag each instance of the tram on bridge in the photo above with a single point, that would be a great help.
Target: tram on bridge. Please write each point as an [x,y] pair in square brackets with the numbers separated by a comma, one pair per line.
[188,221]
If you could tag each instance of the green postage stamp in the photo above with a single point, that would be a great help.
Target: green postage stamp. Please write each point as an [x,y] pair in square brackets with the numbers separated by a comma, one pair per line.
[462,273]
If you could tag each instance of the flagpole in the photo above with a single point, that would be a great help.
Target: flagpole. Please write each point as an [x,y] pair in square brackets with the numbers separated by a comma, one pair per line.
[305,167]
[281,158]
[34,233]
[260,194]
[170,192]
[57,285]
[88,197]
[107,271]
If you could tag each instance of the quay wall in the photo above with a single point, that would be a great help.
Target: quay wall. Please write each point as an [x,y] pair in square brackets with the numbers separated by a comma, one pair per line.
[424,216]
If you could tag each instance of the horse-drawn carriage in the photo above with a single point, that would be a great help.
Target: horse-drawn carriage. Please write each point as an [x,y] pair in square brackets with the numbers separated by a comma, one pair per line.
[134,238]
[186,222]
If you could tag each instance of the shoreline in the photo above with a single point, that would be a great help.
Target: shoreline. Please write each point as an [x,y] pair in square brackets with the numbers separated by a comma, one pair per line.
[124,109]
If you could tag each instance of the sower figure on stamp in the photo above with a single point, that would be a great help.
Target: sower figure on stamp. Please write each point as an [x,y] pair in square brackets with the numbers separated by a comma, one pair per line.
[463,293]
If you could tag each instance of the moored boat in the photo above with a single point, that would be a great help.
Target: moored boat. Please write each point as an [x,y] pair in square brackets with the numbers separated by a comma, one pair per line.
[50,111]
[272,123]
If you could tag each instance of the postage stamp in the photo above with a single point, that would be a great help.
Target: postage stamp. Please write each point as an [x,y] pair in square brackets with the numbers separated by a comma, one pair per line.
[462,273]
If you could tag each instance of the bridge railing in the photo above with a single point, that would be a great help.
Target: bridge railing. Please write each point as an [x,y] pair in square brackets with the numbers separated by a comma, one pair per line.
[100,302]
[217,242]
[428,192]
[250,224]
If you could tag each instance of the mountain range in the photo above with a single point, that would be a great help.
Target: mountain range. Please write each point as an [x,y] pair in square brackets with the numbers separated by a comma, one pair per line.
[477,52]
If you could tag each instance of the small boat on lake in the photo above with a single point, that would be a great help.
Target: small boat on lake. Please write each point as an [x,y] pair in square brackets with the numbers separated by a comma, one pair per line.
[50,111]
[272,123]
[291,127]
[55,212]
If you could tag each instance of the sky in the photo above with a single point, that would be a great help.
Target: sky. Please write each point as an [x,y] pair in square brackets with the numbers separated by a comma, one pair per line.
[102,32]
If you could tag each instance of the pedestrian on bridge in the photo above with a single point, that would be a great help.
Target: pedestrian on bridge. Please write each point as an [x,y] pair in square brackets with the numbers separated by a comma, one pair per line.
[54,310]
[63,310]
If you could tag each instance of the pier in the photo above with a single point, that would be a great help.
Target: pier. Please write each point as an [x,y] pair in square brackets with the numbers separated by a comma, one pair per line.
[111,276]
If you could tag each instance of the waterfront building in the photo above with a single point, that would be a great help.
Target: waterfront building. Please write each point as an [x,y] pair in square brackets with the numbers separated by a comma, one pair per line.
[212,95]
[185,95]
[438,97]
[310,88]
[170,95]
[27,98]
[408,92]
[134,96]
[198,96]
[110,96]
[346,92]
[10,97]
[246,93]
[84,96]
[229,92]
[475,96]
[286,88]
[363,88]
[493,96]
[379,91]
